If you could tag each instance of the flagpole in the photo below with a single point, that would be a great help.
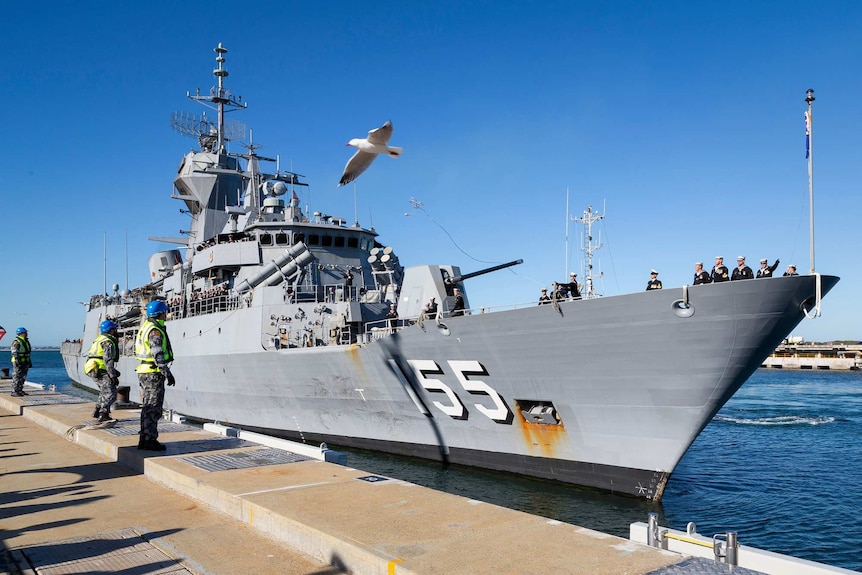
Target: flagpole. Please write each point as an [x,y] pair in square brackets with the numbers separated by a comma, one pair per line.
[809,98]
[105,262]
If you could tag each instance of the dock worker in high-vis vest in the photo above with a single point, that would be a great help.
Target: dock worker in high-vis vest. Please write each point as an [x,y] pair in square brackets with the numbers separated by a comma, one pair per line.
[101,360]
[154,354]
[20,349]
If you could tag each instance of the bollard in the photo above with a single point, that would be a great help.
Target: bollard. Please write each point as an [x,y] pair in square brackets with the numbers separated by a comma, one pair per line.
[652,537]
[732,552]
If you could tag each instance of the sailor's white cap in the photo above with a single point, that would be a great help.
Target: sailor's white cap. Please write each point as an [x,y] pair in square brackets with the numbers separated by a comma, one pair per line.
[719,257]
[573,274]
[653,272]
[763,261]
[698,263]
[740,258]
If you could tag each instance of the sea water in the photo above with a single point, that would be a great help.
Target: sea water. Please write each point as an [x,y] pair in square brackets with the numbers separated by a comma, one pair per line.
[781,464]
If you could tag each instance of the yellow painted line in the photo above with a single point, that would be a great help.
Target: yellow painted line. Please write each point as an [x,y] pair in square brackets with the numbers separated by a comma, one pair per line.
[251,515]
[390,567]
[688,540]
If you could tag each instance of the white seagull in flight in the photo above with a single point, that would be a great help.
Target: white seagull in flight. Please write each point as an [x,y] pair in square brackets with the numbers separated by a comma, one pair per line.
[368,148]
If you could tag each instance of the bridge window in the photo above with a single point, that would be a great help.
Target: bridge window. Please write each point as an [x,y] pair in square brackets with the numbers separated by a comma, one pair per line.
[327,241]
[298,238]
[281,239]
[352,242]
[313,240]
[339,241]
[265,240]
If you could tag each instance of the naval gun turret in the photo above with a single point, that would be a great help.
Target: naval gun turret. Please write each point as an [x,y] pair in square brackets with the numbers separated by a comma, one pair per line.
[422,283]
[451,281]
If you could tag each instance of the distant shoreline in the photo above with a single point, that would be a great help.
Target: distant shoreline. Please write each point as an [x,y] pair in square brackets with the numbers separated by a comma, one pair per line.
[34,348]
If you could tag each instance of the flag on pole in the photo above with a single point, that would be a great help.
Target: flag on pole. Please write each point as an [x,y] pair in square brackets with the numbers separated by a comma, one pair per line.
[2,332]
[807,134]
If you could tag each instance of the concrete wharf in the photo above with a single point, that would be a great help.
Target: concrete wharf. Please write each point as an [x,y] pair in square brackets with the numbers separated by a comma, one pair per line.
[816,357]
[79,500]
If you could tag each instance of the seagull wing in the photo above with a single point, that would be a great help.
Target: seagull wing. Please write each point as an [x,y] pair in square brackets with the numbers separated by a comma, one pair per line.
[356,165]
[381,135]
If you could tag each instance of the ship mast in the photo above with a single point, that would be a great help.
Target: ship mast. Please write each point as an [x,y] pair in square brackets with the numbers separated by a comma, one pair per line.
[221,74]
[219,99]
[588,219]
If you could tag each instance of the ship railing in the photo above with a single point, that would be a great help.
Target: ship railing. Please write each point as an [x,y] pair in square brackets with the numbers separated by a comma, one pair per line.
[323,293]
[493,309]
[204,304]
[315,293]
[98,301]
[375,330]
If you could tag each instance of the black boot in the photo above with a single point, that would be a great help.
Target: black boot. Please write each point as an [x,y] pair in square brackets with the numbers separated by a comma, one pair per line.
[96,411]
[151,445]
[106,416]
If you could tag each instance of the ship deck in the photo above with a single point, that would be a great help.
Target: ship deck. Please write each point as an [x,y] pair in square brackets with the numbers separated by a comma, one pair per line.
[93,502]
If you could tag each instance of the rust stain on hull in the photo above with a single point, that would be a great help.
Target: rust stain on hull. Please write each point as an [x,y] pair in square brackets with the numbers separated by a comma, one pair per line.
[541,438]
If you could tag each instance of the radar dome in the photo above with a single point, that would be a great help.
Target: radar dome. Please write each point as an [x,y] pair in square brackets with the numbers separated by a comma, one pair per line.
[275,188]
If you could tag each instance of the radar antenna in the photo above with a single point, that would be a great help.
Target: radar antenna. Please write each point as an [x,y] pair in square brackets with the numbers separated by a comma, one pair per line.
[212,135]
[200,127]
[588,219]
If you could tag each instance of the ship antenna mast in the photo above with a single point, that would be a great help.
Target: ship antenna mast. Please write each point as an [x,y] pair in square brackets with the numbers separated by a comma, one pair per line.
[219,99]
[221,73]
[588,219]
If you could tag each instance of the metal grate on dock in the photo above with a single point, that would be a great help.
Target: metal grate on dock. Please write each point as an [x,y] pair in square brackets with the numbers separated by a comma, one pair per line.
[122,551]
[701,566]
[49,398]
[132,426]
[243,459]
[40,396]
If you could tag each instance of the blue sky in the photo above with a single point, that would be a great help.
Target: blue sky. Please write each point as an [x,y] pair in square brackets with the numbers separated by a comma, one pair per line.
[683,120]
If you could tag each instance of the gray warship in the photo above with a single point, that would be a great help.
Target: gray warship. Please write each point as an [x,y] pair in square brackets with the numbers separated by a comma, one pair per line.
[269,335]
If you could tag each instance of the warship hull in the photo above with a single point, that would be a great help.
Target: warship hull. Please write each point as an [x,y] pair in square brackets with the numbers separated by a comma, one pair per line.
[294,322]
[607,392]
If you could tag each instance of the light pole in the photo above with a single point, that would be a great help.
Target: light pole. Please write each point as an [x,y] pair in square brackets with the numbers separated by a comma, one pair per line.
[809,153]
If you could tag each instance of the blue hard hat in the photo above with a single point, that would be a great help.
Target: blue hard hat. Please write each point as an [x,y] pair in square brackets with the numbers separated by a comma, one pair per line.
[20,330]
[107,326]
[155,308]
